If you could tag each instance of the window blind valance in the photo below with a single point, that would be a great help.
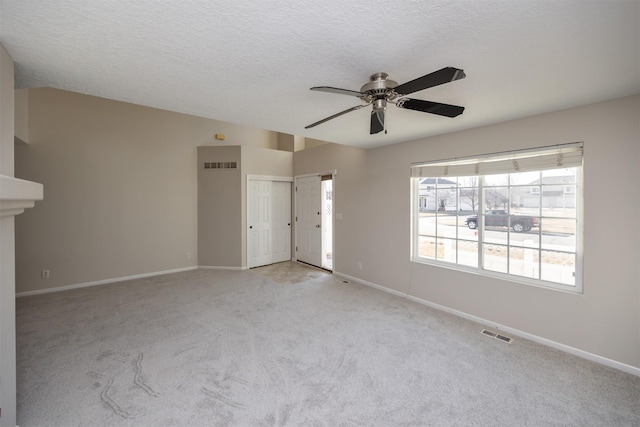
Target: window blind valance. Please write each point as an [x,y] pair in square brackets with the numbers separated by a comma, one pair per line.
[544,158]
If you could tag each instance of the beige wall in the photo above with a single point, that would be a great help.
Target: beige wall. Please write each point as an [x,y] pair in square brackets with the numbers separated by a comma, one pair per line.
[21,115]
[286,142]
[7,116]
[219,209]
[7,251]
[222,209]
[311,143]
[294,143]
[374,199]
[121,185]
[350,198]
[266,162]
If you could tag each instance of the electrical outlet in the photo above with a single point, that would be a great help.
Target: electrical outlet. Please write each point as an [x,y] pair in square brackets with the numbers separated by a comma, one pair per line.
[359,266]
[188,255]
[45,274]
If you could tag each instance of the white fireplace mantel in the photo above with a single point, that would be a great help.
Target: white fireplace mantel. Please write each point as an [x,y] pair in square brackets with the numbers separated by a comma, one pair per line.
[16,195]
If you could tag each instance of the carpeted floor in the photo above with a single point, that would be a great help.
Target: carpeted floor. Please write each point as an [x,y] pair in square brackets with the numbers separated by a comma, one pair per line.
[231,348]
[290,273]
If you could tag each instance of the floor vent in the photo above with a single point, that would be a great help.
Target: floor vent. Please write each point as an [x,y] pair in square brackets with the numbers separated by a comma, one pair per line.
[497,336]
[221,165]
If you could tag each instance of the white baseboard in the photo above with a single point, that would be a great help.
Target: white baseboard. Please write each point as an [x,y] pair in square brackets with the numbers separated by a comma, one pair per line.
[102,282]
[512,331]
[122,279]
[213,267]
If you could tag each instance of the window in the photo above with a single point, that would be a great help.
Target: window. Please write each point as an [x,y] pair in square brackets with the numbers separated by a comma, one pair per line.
[513,215]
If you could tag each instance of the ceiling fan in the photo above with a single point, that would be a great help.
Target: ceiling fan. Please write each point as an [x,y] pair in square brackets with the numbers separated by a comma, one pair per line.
[380,90]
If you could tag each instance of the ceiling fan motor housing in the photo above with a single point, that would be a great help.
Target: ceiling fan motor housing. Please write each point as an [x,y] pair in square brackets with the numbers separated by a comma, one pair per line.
[378,83]
[378,91]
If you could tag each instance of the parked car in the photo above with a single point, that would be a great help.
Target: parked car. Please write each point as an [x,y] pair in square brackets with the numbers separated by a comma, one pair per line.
[500,218]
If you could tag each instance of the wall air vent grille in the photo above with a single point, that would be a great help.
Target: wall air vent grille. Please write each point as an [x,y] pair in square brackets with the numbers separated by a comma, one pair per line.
[497,336]
[220,165]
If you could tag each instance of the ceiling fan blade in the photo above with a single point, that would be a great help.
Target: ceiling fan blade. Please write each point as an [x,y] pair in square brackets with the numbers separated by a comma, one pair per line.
[445,75]
[438,108]
[337,90]
[335,115]
[377,122]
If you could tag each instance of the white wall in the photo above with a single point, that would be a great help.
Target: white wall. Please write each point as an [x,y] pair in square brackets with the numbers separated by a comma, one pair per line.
[374,199]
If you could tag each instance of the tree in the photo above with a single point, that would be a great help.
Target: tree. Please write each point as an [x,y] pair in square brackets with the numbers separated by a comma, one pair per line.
[495,198]
[445,197]
[469,192]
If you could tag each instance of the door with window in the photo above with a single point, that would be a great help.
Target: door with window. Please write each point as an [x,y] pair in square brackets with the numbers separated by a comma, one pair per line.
[314,220]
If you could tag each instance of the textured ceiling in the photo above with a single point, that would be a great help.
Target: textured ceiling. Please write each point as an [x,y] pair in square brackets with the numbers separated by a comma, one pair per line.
[253,62]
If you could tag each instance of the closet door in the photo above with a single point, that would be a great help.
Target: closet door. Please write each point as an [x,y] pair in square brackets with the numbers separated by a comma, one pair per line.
[268,222]
[259,223]
[281,221]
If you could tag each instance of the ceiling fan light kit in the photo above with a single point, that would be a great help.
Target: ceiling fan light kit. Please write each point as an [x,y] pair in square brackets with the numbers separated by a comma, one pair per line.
[380,91]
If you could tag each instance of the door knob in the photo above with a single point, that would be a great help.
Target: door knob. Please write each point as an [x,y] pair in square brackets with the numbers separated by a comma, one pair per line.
[251,226]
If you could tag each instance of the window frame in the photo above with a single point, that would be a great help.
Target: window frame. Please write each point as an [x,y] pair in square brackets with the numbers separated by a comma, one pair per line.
[577,287]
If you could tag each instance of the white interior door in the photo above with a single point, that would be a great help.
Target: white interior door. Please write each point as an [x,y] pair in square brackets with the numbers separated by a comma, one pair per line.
[309,220]
[259,223]
[281,221]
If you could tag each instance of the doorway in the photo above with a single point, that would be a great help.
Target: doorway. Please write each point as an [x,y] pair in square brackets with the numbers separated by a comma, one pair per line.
[327,221]
[314,220]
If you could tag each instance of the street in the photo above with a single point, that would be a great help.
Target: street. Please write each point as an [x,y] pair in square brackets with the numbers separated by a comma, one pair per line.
[498,235]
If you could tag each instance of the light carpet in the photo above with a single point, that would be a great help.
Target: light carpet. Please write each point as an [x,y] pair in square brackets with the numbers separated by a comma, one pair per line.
[235,348]
[290,273]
